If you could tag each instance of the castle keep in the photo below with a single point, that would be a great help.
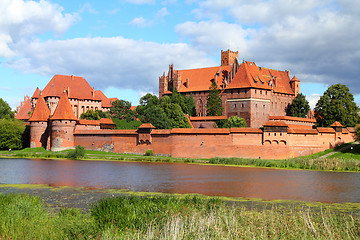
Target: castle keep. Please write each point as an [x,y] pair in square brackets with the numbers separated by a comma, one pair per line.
[248,91]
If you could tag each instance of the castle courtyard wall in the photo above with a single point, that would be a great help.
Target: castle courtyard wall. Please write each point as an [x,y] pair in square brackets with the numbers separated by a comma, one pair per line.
[207,143]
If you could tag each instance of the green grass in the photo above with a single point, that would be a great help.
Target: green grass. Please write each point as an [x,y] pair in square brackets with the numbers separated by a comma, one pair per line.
[168,217]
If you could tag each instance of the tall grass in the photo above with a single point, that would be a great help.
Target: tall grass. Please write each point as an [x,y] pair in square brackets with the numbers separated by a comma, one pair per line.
[167,217]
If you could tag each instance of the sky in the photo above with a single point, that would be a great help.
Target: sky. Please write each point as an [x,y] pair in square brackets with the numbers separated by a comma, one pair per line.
[122,46]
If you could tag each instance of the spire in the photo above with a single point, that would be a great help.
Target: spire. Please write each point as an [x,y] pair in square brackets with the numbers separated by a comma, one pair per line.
[64,110]
[36,93]
[41,111]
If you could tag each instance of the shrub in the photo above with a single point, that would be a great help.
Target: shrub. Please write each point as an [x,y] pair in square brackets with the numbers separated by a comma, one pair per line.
[149,152]
[78,153]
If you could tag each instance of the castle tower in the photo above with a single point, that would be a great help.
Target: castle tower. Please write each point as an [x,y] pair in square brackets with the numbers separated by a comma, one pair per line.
[163,85]
[63,125]
[228,57]
[295,85]
[39,132]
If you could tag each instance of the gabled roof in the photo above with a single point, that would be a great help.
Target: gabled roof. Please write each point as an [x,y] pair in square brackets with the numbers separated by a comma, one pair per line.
[106,121]
[24,110]
[41,111]
[63,109]
[77,88]
[295,79]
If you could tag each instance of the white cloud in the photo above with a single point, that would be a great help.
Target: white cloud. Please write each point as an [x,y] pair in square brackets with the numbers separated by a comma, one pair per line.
[162,12]
[21,19]
[315,40]
[140,22]
[117,62]
[313,99]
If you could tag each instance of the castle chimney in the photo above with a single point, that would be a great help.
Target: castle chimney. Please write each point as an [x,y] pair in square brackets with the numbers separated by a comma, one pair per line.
[93,92]
[72,77]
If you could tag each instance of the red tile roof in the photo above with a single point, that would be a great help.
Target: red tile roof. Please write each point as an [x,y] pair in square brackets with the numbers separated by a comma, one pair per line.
[63,109]
[146,125]
[23,113]
[336,124]
[275,124]
[77,88]
[36,93]
[89,122]
[105,102]
[250,75]
[325,130]
[200,79]
[292,119]
[106,121]
[351,129]
[41,111]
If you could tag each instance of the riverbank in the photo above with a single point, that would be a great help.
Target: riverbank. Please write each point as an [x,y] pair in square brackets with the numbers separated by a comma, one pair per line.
[338,159]
[77,213]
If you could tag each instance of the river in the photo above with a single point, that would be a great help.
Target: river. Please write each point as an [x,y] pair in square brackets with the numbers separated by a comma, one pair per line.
[212,180]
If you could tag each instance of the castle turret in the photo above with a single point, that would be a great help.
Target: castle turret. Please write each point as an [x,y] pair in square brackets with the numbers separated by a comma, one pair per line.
[63,125]
[295,85]
[39,132]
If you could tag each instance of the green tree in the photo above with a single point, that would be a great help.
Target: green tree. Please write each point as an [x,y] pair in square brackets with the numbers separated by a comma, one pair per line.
[299,107]
[213,104]
[337,104]
[236,122]
[11,134]
[122,109]
[176,116]
[155,115]
[90,115]
[5,110]
[78,153]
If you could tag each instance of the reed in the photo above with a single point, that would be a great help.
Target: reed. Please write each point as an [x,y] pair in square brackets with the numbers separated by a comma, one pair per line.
[168,217]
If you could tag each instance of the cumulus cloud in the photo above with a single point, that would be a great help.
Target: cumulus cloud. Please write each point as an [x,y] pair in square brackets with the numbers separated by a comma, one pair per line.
[21,20]
[315,40]
[106,62]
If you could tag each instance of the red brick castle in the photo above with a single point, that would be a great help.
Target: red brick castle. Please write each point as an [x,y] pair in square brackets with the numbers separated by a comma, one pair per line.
[248,91]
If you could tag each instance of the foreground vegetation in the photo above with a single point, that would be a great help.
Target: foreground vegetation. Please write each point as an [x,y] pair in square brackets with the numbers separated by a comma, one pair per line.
[344,160]
[168,217]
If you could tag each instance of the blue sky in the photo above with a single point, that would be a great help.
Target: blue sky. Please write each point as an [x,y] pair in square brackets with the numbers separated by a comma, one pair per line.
[122,46]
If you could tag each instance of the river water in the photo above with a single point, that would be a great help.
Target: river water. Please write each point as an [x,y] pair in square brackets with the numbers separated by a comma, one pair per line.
[212,180]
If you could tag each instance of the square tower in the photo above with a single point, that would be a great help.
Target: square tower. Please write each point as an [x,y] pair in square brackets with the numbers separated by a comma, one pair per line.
[228,57]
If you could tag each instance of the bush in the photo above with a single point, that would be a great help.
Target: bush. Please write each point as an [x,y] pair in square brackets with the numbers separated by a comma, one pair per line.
[149,152]
[11,134]
[78,153]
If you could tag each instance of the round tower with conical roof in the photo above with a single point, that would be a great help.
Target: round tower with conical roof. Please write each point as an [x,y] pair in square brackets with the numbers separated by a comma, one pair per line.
[39,131]
[63,125]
